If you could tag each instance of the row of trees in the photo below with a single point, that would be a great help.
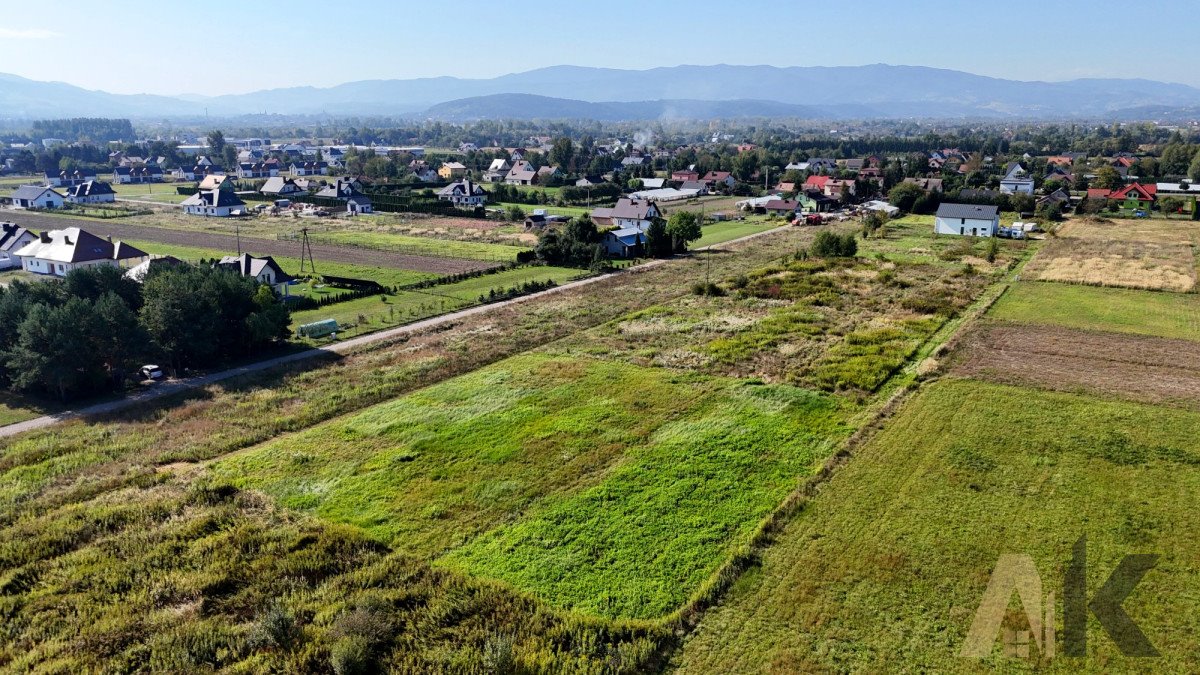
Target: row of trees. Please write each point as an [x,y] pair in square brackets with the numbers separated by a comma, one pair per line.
[85,333]
[578,242]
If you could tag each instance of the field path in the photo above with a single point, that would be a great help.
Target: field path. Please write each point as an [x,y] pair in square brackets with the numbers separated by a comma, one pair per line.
[170,387]
[354,255]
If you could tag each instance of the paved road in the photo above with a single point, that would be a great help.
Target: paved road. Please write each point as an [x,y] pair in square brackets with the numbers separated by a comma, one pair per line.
[170,387]
[355,255]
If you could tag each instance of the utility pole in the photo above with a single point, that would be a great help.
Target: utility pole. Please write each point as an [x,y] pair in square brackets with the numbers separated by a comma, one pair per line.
[306,252]
[237,228]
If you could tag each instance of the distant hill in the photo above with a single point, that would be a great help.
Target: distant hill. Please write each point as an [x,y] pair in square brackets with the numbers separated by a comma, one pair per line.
[745,91]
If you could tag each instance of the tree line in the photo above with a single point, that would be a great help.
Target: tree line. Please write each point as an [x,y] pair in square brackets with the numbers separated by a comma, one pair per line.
[85,333]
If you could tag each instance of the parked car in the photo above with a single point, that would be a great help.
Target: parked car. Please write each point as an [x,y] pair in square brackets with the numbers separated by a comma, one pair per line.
[151,372]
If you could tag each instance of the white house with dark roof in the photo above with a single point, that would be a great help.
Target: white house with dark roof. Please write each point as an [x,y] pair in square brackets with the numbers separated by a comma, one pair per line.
[13,238]
[626,242]
[627,213]
[216,203]
[36,197]
[463,193]
[264,270]
[91,192]
[57,252]
[345,190]
[1016,180]
[971,220]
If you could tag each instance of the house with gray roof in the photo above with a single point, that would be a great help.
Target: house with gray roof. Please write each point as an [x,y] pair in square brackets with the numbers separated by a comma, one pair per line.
[263,270]
[36,197]
[13,238]
[972,220]
[626,242]
[216,203]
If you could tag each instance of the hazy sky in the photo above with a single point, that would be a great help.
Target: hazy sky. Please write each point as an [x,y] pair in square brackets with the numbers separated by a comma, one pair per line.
[223,46]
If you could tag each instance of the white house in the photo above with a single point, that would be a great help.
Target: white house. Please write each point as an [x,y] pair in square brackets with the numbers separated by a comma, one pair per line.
[1016,181]
[627,213]
[57,252]
[463,193]
[36,197]
[13,238]
[264,270]
[278,186]
[91,192]
[973,220]
[496,172]
[216,202]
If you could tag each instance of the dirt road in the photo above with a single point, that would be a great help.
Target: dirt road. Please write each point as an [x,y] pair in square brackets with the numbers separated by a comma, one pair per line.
[223,242]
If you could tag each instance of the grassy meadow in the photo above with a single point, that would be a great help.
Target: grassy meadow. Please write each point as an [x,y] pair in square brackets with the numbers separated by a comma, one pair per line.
[718,233]
[887,565]
[561,476]
[1161,314]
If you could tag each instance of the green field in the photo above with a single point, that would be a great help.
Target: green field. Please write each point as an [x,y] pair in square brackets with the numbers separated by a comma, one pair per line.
[404,306]
[571,211]
[1161,314]
[385,275]
[423,245]
[888,564]
[717,233]
[560,475]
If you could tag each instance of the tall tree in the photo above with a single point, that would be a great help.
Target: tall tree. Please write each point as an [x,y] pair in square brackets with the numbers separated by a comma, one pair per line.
[683,227]
[216,143]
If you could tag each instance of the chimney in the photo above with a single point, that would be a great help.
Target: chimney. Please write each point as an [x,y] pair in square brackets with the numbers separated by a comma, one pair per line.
[45,237]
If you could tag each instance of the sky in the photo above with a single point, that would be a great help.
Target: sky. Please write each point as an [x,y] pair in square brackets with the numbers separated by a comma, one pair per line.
[225,47]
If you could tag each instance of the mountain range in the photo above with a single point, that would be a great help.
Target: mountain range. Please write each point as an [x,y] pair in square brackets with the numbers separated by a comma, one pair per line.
[698,92]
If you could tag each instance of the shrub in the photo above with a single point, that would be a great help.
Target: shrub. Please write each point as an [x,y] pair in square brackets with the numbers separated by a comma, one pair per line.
[831,245]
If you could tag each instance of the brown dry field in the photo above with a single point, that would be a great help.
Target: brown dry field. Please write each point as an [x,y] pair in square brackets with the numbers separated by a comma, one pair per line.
[1139,368]
[1147,254]
[226,242]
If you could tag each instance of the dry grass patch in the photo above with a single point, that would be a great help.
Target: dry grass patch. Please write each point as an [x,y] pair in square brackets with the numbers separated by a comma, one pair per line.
[1162,266]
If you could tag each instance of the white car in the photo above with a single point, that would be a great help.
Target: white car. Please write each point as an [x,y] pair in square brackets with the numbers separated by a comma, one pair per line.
[151,372]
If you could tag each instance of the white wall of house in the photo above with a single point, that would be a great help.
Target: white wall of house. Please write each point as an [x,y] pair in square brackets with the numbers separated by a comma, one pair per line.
[214,211]
[970,227]
[59,269]
[93,199]
[47,200]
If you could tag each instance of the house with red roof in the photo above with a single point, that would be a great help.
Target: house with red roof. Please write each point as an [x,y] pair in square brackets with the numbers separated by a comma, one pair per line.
[1134,197]
[817,183]
[715,177]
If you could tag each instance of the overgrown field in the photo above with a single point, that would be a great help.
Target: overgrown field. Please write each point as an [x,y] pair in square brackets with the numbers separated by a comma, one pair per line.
[576,472]
[404,306]
[1169,315]
[61,484]
[885,568]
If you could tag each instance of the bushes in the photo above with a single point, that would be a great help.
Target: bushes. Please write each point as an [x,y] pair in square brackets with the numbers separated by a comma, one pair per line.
[707,288]
[832,245]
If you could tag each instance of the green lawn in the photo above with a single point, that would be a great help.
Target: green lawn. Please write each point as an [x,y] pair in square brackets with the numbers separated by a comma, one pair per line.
[1169,315]
[396,308]
[717,233]
[424,245]
[888,564]
[598,485]
[571,211]
[385,275]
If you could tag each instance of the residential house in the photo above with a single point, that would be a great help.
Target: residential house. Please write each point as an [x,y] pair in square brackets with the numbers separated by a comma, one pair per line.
[547,173]
[57,252]
[699,186]
[796,166]
[715,178]
[137,174]
[279,186]
[521,173]
[926,184]
[216,202]
[626,242]
[91,192]
[627,213]
[467,147]
[684,176]
[635,160]
[216,182]
[13,238]
[309,168]
[1058,197]
[463,193]
[653,183]
[452,171]
[785,186]
[589,181]
[821,165]
[975,220]
[36,197]
[497,170]
[980,194]
[345,190]
[258,169]
[837,189]
[855,164]
[881,207]
[1134,197]
[69,178]
[139,272]
[788,208]
[263,270]
[1016,180]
